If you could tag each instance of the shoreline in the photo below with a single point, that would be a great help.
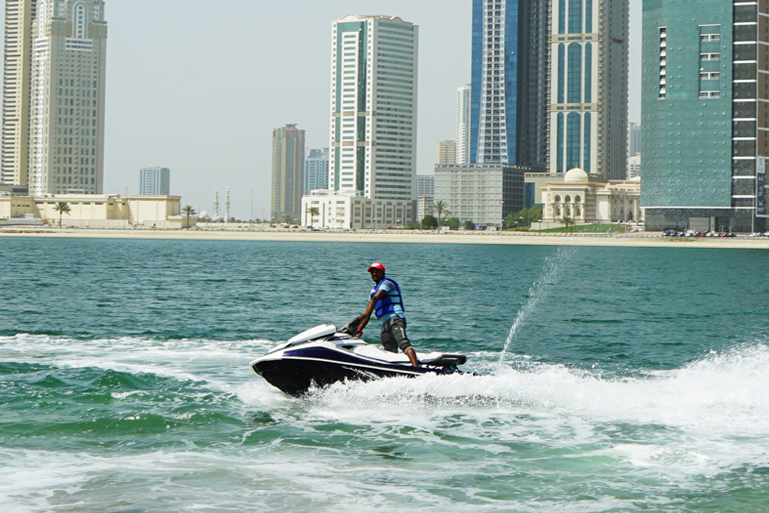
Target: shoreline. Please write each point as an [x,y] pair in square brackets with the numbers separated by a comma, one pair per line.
[640,239]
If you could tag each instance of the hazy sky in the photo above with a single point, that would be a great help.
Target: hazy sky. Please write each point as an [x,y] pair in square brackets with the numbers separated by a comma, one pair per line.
[198,87]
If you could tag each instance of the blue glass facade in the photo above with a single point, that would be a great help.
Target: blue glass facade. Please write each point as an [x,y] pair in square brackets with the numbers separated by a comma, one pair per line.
[508,82]
[705,116]
[687,136]
[477,79]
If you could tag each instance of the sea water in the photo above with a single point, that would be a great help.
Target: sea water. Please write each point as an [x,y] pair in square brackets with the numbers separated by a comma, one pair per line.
[600,379]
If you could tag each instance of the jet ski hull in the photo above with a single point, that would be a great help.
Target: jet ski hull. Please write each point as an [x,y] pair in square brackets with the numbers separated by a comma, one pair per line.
[296,371]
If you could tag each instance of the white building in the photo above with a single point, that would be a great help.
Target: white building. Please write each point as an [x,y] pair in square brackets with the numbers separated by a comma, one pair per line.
[97,210]
[349,210]
[155,181]
[67,100]
[587,199]
[634,166]
[463,124]
[374,111]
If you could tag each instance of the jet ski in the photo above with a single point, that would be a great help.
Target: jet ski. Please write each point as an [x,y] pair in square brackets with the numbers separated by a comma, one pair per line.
[324,355]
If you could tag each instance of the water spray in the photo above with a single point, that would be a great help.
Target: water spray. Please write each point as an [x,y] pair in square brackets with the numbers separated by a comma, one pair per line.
[551,273]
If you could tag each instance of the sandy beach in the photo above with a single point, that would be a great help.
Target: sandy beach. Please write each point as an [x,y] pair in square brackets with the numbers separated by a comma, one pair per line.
[641,239]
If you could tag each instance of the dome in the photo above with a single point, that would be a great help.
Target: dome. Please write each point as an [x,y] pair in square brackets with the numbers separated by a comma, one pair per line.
[576,175]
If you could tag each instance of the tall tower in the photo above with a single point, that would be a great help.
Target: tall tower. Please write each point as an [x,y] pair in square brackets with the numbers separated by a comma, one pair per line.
[287,172]
[588,95]
[509,83]
[155,181]
[446,153]
[705,121]
[374,107]
[66,136]
[17,73]
[463,124]
[316,170]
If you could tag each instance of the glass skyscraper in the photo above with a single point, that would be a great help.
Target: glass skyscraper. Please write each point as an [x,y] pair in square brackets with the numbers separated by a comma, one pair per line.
[588,87]
[155,181]
[509,83]
[316,170]
[705,114]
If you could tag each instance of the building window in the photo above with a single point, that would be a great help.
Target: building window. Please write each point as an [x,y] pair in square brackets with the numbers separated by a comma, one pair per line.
[588,73]
[575,73]
[575,16]
[573,138]
[588,141]
[79,22]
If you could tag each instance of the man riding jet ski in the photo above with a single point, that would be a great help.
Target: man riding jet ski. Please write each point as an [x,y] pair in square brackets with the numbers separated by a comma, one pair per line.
[386,301]
[324,355]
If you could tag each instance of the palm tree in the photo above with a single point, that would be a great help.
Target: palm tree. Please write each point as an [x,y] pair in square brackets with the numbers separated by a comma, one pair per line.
[567,221]
[62,207]
[189,211]
[440,209]
[313,211]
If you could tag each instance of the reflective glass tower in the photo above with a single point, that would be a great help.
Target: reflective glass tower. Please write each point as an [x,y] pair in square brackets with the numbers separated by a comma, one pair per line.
[509,83]
[705,125]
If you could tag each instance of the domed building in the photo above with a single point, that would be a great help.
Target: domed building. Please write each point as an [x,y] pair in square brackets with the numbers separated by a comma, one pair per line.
[586,199]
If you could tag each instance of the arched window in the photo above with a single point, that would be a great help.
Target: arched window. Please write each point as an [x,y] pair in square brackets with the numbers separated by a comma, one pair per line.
[568,199]
[79,21]
[578,199]
[574,81]
[42,19]
[557,199]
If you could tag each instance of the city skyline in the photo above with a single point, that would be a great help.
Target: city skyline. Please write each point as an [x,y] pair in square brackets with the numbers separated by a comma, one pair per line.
[221,118]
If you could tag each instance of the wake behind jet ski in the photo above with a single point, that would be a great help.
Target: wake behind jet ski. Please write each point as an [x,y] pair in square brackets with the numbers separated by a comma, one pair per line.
[324,355]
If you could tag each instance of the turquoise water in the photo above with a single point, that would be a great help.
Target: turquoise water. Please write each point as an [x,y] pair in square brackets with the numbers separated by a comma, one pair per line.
[607,379]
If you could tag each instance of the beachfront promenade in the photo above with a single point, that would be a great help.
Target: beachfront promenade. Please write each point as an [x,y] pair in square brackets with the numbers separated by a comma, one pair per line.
[244,232]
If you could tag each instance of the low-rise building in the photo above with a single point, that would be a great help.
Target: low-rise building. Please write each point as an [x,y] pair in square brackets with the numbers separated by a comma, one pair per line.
[588,199]
[354,211]
[99,210]
[483,194]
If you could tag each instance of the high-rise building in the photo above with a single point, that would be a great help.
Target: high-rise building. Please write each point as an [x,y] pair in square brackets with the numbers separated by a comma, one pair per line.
[633,139]
[17,74]
[155,181]
[425,185]
[508,112]
[446,153]
[374,107]
[705,118]
[316,170]
[66,133]
[509,101]
[287,172]
[588,87]
[463,124]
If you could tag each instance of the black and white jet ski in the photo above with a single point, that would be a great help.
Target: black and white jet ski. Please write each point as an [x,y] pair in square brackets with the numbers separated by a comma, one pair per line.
[323,355]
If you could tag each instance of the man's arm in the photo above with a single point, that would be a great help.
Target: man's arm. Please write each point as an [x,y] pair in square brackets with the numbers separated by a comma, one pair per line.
[366,315]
